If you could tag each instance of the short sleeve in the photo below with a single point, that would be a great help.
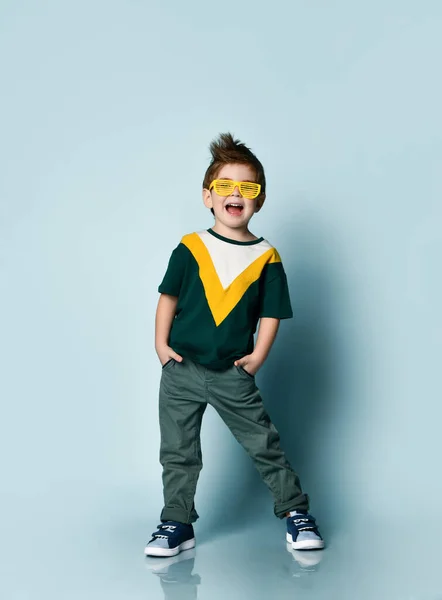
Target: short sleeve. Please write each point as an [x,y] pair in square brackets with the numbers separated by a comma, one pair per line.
[274,297]
[173,278]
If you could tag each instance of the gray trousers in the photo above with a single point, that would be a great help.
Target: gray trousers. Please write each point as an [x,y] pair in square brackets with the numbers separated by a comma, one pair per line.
[185,390]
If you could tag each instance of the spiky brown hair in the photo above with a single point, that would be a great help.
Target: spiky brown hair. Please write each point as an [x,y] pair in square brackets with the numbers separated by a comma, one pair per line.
[226,150]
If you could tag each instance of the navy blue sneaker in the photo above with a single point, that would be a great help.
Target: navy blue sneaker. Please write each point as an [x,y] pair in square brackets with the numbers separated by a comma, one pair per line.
[170,539]
[303,533]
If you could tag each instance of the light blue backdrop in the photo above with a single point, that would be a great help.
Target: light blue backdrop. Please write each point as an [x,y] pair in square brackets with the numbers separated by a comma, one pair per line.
[107,110]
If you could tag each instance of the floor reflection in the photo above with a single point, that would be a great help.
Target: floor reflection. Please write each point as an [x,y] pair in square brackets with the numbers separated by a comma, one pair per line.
[256,562]
[305,562]
[179,582]
[176,576]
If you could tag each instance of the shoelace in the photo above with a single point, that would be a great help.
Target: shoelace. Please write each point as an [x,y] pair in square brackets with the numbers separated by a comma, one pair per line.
[166,528]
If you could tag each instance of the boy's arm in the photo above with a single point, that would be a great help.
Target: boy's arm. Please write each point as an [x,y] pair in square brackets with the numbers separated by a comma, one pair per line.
[268,328]
[274,305]
[164,317]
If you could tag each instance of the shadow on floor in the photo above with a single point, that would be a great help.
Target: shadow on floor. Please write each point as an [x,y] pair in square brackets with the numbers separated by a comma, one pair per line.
[303,385]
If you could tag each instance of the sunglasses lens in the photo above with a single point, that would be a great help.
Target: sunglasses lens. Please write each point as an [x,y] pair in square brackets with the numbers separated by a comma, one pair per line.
[249,190]
[223,187]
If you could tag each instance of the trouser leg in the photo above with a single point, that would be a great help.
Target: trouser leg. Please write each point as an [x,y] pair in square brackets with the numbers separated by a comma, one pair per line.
[235,396]
[181,409]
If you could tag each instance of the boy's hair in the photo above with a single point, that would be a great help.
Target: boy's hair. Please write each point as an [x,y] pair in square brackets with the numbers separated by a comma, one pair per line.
[226,150]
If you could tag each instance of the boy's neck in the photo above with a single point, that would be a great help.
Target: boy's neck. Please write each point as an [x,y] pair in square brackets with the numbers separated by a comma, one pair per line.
[237,234]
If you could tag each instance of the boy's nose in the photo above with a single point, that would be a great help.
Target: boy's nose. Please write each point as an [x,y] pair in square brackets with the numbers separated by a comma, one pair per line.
[236,192]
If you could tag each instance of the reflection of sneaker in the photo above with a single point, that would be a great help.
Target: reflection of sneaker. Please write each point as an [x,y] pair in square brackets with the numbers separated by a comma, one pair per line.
[304,562]
[170,539]
[160,566]
[176,570]
[303,533]
[307,560]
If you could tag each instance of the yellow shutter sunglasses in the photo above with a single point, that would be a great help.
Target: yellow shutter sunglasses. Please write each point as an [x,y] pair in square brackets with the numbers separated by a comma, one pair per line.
[225,187]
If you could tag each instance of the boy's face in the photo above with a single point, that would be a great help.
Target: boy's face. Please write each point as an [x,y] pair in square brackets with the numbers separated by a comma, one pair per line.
[233,216]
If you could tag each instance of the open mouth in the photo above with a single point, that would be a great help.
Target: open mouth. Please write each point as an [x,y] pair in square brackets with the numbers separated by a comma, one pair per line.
[234,209]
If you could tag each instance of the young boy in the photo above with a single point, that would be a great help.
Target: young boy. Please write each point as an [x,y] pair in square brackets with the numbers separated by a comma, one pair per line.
[219,283]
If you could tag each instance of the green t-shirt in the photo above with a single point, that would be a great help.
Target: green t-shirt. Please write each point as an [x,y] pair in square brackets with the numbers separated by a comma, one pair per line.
[223,287]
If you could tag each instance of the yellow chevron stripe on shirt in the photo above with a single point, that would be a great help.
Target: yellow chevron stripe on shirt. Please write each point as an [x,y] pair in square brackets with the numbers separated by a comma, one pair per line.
[222,301]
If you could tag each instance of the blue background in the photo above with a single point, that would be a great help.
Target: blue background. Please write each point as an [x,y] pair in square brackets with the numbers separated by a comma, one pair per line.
[107,111]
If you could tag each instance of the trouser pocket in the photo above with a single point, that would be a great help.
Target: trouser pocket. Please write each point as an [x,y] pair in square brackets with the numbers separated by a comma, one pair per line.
[242,371]
[168,363]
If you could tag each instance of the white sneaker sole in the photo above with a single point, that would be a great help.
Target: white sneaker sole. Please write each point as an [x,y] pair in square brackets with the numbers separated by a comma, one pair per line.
[152,551]
[306,544]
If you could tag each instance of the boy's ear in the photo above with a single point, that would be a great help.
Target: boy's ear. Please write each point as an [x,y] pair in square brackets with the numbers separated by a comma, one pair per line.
[207,198]
[260,201]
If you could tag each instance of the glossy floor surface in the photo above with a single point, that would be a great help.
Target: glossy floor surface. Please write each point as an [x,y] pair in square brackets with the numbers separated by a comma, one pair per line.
[79,544]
